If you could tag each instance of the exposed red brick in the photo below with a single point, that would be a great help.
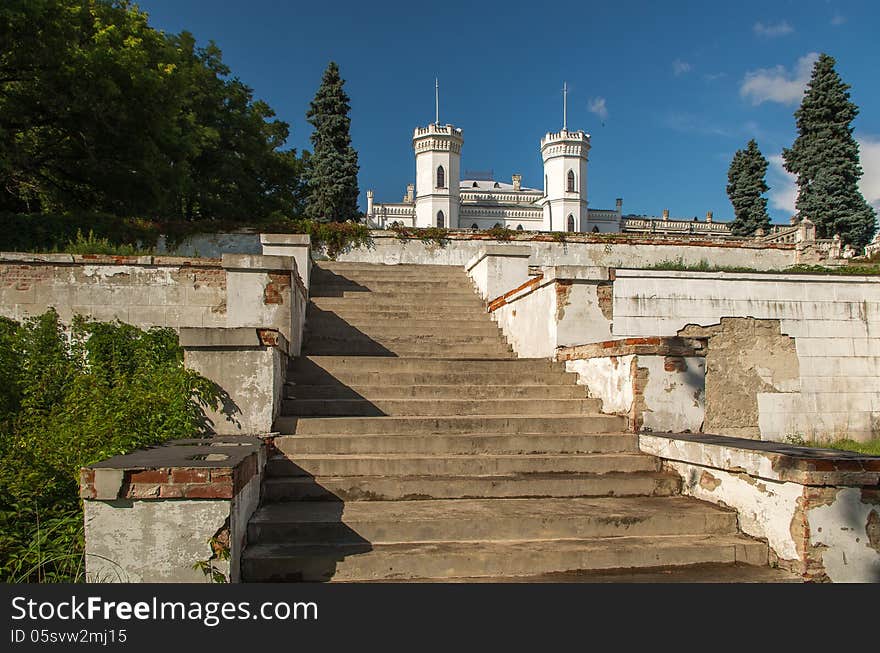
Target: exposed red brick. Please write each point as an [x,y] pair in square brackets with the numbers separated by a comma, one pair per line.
[190,475]
[148,476]
[169,491]
[278,283]
[208,491]
[674,364]
[142,491]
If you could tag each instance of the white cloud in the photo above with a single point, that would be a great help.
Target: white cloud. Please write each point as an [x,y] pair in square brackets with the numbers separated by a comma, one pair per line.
[772,30]
[680,67]
[777,84]
[783,185]
[598,106]
[869,184]
[838,19]
[711,77]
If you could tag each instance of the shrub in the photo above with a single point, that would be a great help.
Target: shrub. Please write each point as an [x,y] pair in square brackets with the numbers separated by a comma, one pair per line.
[69,399]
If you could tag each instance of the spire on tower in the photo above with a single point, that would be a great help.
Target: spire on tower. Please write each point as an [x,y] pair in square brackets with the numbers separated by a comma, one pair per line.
[436,101]
[564,106]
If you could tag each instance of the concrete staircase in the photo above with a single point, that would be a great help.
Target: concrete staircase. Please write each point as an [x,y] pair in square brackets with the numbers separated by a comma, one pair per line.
[416,446]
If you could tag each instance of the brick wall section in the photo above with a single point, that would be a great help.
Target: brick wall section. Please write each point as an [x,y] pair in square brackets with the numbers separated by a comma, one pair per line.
[145,291]
[649,346]
[278,283]
[177,482]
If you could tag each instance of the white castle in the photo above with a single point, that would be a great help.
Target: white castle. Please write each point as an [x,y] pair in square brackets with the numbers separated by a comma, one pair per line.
[441,198]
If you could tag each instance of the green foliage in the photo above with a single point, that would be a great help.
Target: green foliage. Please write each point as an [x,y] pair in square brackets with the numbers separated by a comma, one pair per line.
[435,235]
[870,447]
[101,112]
[746,186]
[71,399]
[333,166]
[50,232]
[678,265]
[91,244]
[335,237]
[500,233]
[825,158]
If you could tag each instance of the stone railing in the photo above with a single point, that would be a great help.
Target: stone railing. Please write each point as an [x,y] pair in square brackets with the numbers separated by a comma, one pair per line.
[659,226]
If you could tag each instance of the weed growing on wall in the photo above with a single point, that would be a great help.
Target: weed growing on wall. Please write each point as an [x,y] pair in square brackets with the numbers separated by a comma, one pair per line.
[69,398]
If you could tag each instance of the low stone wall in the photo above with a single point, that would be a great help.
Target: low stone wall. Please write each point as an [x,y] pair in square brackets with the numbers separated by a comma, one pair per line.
[578,250]
[818,509]
[151,515]
[813,370]
[657,383]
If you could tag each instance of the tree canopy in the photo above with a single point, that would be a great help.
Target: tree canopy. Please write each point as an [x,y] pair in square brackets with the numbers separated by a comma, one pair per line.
[100,111]
[746,186]
[333,166]
[825,158]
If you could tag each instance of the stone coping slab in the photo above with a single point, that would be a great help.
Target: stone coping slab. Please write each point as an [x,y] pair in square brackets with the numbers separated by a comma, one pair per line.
[263,262]
[650,346]
[285,239]
[745,276]
[232,338]
[108,259]
[201,468]
[514,251]
[774,461]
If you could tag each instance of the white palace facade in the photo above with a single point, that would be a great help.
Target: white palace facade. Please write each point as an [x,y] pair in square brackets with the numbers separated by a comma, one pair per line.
[441,198]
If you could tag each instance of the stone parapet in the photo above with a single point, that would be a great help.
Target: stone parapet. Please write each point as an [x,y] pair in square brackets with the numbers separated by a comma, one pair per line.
[158,514]
[818,509]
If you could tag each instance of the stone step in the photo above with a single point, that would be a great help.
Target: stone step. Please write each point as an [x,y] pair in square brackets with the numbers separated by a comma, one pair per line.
[711,572]
[455,443]
[390,561]
[338,283]
[440,407]
[513,367]
[386,464]
[354,378]
[408,488]
[353,267]
[543,424]
[412,352]
[331,324]
[442,339]
[381,289]
[325,522]
[421,303]
[403,296]
[411,391]
[361,312]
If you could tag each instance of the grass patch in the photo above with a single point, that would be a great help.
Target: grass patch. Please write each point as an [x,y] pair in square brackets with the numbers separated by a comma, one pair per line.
[678,265]
[871,447]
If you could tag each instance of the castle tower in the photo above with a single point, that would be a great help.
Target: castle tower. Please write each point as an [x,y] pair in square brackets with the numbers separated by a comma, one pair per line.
[438,175]
[565,180]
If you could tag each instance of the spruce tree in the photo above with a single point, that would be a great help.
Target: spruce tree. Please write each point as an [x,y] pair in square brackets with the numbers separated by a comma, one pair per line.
[333,165]
[825,158]
[745,188]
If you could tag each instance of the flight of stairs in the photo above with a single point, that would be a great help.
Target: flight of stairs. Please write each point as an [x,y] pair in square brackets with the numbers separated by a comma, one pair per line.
[415,445]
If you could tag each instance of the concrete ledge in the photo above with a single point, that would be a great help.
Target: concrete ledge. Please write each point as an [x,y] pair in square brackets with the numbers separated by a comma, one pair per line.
[215,468]
[767,460]
[577,273]
[108,259]
[231,338]
[745,276]
[515,251]
[653,346]
[258,262]
[297,240]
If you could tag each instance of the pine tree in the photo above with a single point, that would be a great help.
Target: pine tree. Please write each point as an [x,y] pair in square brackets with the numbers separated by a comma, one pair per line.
[333,165]
[825,158]
[745,188]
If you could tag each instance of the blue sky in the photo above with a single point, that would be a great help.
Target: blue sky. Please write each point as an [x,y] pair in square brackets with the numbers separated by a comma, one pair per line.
[668,90]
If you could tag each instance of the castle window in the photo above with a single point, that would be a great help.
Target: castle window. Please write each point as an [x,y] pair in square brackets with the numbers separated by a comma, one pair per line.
[545,184]
[595,229]
[571,222]
[497,185]
[441,177]
[497,225]
[571,181]
[474,226]
[475,185]
[441,219]
[519,227]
